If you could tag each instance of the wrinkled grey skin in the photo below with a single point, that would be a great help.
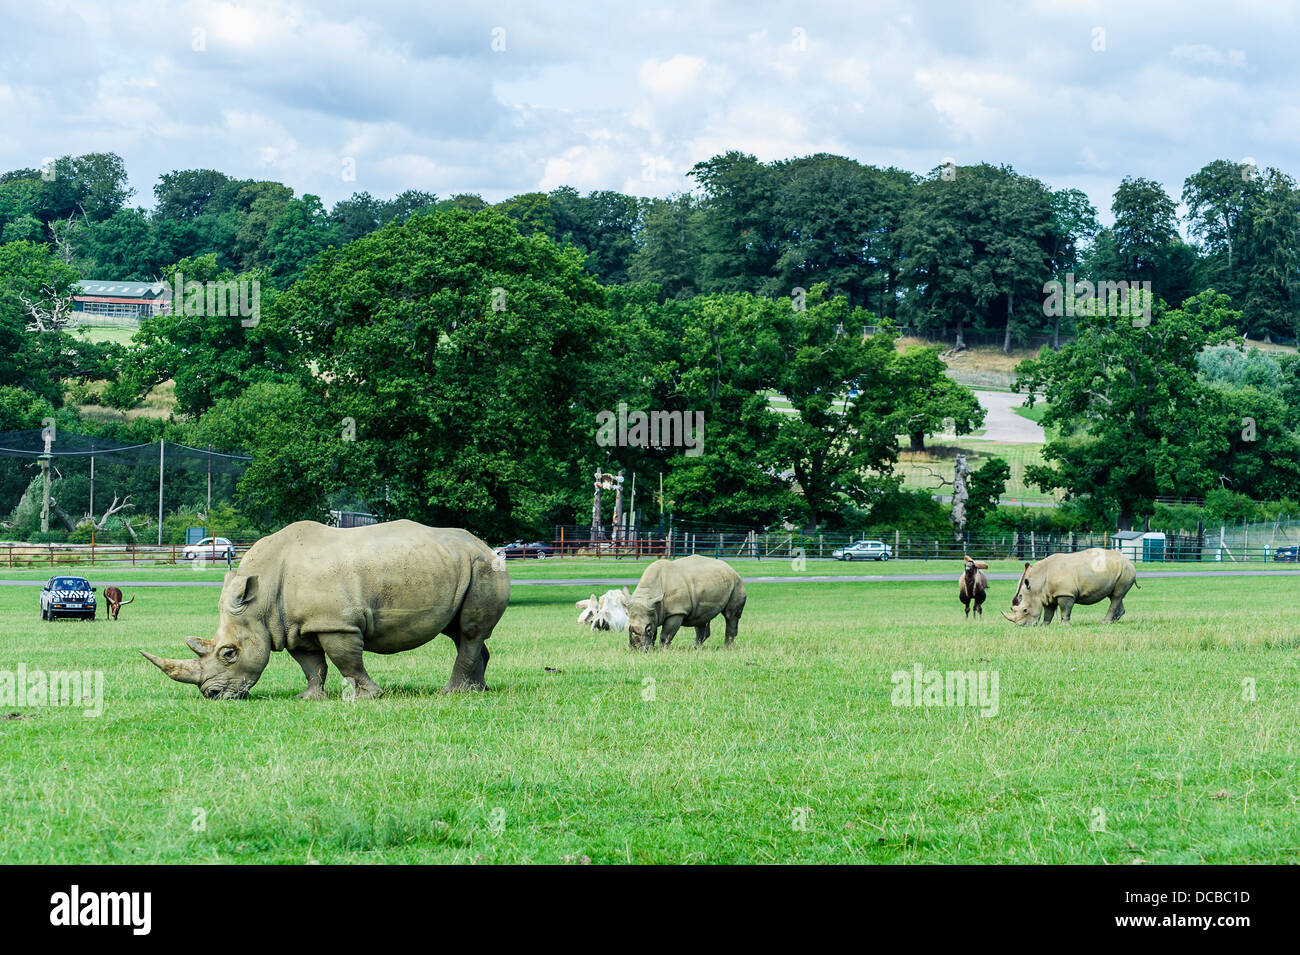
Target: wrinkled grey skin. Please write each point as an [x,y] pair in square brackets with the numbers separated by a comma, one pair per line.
[1060,581]
[330,593]
[692,591]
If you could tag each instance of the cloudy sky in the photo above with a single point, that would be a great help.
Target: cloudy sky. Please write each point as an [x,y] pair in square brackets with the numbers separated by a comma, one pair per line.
[501,98]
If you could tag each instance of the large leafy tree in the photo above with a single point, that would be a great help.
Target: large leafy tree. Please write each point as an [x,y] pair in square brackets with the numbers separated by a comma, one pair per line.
[977,244]
[459,349]
[1272,299]
[740,236]
[40,361]
[187,194]
[669,246]
[209,357]
[1130,410]
[1219,198]
[929,399]
[1145,226]
[602,224]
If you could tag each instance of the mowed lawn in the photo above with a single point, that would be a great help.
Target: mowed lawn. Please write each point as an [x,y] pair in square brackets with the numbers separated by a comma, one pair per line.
[629,568]
[1138,742]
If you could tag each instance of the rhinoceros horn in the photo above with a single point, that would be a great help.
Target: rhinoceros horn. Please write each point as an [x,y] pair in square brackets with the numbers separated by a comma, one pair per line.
[182,671]
[1007,615]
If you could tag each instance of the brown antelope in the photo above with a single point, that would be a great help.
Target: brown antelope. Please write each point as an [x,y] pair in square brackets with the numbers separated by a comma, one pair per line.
[974,584]
[115,603]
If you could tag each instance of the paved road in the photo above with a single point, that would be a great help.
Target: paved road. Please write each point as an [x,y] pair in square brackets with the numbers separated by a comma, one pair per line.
[1001,423]
[784,579]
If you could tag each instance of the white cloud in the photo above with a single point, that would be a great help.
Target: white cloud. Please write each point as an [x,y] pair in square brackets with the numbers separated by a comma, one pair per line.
[630,98]
[673,77]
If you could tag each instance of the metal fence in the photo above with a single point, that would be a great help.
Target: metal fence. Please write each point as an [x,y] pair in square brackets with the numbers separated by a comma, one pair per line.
[18,555]
[732,543]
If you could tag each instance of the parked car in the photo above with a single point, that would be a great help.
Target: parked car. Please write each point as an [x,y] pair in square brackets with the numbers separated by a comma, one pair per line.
[212,548]
[519,549]
[1287,553]
[864,550]
[67,597]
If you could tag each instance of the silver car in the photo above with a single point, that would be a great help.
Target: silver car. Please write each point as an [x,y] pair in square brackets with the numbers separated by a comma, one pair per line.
[210,548]
[864,550]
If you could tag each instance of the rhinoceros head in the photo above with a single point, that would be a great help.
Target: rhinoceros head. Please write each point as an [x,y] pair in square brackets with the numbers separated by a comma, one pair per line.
[1026,607]
[643,617]
[231,662]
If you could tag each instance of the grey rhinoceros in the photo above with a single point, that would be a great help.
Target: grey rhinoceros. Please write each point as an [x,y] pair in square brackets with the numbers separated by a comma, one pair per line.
[692,591]
[326,592]
[1063,580]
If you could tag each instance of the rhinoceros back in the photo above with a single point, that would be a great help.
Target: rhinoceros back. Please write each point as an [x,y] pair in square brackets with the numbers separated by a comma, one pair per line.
[698,588]
[1087,576]
[399,583]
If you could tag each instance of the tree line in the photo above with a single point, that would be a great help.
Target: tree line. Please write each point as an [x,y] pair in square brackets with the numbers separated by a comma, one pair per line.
[447,360]
[962,248]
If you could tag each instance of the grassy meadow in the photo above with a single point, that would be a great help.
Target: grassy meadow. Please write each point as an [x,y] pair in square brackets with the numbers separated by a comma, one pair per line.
[1123,744]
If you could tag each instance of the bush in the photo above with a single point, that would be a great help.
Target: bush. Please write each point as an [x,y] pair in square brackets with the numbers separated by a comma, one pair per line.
[48,537]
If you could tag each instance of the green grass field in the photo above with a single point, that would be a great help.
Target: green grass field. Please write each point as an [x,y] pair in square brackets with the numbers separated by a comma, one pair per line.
[1110,744]
[628,567]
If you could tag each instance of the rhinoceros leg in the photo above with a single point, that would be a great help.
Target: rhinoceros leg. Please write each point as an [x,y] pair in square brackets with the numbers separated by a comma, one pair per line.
[344,650]
[469,672]
[1114,611]
[314,669]
[671,626]
[702,632]
[1048,613]
[1067,605]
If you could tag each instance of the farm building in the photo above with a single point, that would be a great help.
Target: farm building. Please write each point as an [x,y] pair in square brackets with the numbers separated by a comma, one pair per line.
[121,299]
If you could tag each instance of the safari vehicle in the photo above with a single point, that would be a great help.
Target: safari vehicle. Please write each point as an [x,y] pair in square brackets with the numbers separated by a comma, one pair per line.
[211,548]
[67,597]
[1286,553]
[864,550]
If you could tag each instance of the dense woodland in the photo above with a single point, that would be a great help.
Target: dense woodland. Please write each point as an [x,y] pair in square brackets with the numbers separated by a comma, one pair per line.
[471,346]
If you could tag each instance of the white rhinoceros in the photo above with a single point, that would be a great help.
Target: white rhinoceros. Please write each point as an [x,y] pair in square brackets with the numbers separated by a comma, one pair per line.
[692,591]
[327,592]
[1063,580]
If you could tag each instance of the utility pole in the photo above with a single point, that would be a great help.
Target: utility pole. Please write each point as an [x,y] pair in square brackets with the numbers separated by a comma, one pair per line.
[162,444]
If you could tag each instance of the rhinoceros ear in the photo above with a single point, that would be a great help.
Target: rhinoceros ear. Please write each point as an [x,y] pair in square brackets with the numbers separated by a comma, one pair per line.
[243,592]
[626,593]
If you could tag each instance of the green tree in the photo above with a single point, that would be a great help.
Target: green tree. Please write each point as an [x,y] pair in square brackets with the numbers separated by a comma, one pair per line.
[986,487]
[977,244]
[459,348]
[1272,300]
[929,398]
[1145,225]
[1130,409]
[670,246]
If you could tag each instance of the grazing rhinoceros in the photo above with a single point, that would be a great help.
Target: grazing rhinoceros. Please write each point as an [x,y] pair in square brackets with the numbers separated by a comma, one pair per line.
[320,592]
[691,591]
[1063,580]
